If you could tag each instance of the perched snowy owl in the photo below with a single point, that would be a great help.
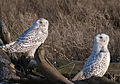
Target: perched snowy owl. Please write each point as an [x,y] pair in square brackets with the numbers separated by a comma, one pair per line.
[98,62]
[31,39]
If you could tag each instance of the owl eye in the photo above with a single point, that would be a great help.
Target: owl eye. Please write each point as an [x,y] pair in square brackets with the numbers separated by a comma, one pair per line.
[100,37]
[40,22]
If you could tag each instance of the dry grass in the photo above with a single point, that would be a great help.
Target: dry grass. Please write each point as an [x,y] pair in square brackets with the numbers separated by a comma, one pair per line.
[73,24]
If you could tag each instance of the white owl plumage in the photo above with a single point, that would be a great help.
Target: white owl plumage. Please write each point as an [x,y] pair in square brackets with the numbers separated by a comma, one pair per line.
[99,60]
[31,39]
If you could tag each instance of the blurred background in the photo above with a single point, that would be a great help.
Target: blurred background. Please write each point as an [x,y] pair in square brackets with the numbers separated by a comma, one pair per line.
[73,24]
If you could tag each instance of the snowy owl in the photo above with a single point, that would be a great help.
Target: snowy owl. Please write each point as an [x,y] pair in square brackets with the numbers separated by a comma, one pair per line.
[98,62]
[31,39]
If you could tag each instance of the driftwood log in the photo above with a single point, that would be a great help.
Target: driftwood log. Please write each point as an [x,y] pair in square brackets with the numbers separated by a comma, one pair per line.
[47,69]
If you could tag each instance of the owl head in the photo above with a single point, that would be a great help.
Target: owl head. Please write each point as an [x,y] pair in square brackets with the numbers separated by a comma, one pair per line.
[101,39]
[41,23]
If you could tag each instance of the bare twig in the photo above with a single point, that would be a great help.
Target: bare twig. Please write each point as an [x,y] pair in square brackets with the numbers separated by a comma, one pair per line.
[65,65]
[71,70]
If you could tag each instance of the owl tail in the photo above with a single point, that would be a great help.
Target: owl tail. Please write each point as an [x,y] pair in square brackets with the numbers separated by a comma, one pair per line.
[6,47]
[79,76]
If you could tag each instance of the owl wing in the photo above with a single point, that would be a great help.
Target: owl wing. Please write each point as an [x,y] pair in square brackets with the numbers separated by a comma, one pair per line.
[30,39]
[94,68]
[93,57]
[90,70]
[90,61]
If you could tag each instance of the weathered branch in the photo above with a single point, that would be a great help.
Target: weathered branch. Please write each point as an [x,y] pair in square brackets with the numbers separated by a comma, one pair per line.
[47,70]
[4,33]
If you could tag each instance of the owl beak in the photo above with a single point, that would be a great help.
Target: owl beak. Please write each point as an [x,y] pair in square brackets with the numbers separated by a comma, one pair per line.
[43,25]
